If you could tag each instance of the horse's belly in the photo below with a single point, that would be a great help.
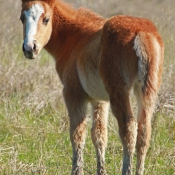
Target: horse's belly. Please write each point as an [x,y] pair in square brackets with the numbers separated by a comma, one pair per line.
[93,86]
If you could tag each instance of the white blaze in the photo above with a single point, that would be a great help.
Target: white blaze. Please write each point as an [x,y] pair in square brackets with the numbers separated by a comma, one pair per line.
[32,17]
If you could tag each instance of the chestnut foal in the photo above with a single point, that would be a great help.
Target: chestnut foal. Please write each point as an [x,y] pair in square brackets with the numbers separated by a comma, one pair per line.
[99,61]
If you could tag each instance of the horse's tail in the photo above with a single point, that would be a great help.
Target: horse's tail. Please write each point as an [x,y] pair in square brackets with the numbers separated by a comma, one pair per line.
[150,51]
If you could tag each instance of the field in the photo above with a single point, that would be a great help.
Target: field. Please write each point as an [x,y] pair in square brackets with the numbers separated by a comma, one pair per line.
[34,126]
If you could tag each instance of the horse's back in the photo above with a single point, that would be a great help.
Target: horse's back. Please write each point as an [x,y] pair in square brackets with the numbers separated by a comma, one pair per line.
[119,62]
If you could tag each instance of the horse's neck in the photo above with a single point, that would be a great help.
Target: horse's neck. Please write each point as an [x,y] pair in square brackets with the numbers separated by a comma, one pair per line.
[69,27]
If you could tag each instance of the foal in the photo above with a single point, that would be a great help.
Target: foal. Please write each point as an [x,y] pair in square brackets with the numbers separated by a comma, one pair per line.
[99,61]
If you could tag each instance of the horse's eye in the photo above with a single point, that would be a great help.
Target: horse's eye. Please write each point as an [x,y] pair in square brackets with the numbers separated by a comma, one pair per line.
[22,18]
[45,20]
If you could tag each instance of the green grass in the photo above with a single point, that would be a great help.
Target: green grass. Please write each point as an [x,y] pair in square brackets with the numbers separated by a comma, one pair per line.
[39,144]
[34,126]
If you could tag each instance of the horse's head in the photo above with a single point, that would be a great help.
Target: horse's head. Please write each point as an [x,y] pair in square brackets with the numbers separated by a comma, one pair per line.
[36,17]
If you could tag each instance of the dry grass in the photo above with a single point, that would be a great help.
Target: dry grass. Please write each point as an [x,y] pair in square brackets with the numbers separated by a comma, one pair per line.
[34,125]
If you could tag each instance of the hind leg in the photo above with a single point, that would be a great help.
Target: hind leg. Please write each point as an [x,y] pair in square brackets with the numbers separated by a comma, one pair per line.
[99,133]
[146,105]
[77,105]
[120,106]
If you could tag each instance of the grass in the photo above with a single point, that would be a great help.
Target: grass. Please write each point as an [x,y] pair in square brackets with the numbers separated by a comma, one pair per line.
[34,126]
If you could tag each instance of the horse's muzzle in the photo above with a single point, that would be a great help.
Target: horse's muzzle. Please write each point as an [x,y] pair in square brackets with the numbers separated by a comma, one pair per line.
[30,53]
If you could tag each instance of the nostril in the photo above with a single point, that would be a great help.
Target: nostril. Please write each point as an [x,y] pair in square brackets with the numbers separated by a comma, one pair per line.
[28,47]
[34,47]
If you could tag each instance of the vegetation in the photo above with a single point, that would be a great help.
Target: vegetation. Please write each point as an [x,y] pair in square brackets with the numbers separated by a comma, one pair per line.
[34,126]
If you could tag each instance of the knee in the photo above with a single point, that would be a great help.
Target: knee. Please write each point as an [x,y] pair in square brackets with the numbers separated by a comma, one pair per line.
[128,135]
[128,127]
[99,135]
